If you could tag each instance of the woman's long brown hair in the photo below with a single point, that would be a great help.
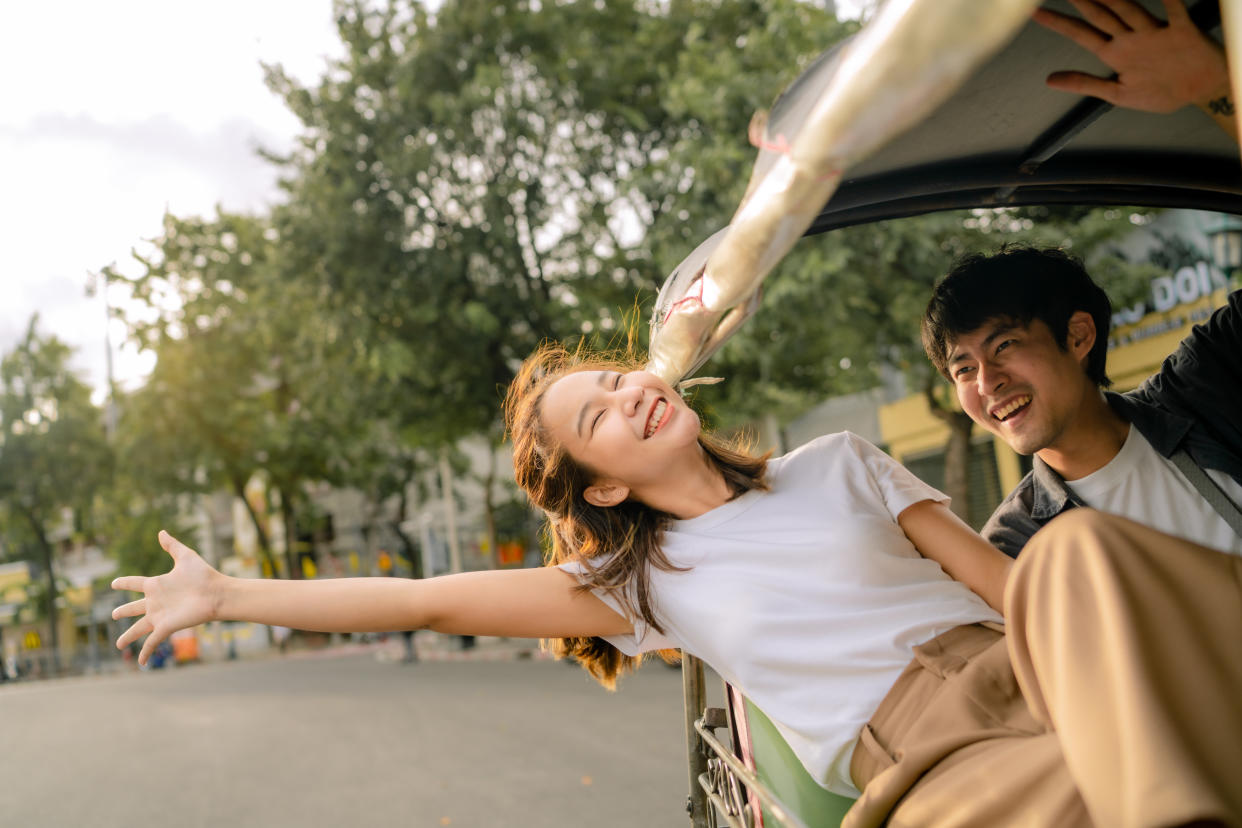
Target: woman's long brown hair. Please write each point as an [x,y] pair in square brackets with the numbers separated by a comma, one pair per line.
[616,546]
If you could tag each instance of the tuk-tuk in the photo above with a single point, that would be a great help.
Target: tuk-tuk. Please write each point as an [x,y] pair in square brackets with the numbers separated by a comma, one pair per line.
[1001,139]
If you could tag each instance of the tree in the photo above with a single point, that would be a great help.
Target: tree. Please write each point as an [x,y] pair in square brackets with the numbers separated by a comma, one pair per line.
[473,180]
[53,455]
[250,376]
[385,466]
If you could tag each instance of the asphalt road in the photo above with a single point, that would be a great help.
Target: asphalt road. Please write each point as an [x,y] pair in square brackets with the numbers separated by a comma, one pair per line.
[344,741]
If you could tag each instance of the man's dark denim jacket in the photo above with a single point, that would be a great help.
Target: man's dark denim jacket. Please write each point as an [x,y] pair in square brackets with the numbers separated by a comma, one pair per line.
[1194,402]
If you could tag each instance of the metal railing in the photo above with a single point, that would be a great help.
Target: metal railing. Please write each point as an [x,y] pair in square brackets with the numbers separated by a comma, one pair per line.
[721,786]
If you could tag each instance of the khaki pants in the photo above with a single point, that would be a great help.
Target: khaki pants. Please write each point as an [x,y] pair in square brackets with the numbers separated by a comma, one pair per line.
[1115,699]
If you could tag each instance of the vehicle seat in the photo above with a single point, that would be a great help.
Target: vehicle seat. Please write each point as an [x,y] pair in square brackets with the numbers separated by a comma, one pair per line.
[780,770]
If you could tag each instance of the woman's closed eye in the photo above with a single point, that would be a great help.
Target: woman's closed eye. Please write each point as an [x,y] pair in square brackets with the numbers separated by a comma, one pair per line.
[599,415]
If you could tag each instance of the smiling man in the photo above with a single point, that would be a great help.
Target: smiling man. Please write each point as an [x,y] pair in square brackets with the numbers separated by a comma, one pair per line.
[1022,335]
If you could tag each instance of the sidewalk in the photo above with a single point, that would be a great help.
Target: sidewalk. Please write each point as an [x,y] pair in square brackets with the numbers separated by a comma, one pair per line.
[430,646]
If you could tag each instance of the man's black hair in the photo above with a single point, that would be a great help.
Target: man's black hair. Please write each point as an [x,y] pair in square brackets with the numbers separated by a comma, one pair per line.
[1019,284]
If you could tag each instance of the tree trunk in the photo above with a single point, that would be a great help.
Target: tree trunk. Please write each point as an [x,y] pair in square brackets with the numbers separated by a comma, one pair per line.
[956,450]
[407,544]
[54,638]
[293,560]
[265,549]
[36,526]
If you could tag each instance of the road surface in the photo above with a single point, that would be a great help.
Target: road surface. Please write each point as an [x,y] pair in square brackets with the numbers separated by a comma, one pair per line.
[347,740]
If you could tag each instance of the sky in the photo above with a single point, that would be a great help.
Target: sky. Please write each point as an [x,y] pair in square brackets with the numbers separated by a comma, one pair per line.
[112,113]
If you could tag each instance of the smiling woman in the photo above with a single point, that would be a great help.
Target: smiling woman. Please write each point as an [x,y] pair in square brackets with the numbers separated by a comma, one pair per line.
[639,437]
[592,449]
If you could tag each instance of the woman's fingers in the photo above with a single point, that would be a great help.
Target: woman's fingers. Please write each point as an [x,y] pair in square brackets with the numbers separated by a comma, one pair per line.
[139,628]
[148,646]
[173,547]
[130,610]
[130,583]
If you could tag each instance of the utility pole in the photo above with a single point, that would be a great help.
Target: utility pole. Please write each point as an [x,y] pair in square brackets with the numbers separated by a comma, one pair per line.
[98,282]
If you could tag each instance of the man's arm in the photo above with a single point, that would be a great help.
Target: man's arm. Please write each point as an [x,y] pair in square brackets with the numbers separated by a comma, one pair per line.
[1203,377]
[1161,66]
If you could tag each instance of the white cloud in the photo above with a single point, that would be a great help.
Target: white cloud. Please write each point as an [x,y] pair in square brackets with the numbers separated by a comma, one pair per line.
[125,60]
[112,113]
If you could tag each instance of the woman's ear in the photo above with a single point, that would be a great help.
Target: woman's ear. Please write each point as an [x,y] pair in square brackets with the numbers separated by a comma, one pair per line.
[606,493]
[1080,334]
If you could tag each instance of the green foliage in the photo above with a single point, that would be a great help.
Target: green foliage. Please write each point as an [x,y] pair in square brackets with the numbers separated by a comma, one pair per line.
[131,520]
[250,374]
[53,456]
[154,478]
[473,181]
[845,307]
[732,63]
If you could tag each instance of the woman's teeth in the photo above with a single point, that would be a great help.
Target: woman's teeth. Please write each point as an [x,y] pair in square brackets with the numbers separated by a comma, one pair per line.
[653,422]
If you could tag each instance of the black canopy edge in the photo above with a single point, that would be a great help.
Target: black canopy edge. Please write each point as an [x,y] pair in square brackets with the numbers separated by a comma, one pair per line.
[1132,179]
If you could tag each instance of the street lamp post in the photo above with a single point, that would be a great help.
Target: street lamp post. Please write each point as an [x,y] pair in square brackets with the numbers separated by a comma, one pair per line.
[99,282]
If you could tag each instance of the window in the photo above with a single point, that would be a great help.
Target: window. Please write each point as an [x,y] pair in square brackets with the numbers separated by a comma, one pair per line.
[982,478]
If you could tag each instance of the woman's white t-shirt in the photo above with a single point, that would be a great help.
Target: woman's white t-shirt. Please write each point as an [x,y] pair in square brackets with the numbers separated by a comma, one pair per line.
[808,597]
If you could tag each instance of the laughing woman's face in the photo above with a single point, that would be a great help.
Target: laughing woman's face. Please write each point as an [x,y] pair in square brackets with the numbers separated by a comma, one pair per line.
[632,428]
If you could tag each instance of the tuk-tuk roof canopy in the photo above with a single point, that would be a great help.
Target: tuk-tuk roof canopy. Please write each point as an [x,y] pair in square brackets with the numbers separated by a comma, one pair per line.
[1006,139]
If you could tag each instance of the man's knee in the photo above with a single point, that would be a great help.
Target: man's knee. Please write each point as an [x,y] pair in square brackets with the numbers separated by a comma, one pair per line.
[1088,542]
[1076,528]
[1076,540]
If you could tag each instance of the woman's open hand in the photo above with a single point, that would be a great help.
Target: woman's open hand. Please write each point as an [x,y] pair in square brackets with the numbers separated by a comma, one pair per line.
[183,597]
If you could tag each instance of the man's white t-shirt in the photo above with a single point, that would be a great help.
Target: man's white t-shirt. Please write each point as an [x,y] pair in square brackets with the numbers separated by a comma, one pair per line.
[808,597]
[1141,484]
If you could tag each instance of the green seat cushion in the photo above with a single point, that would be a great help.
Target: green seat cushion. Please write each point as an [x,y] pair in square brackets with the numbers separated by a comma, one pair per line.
[784,775]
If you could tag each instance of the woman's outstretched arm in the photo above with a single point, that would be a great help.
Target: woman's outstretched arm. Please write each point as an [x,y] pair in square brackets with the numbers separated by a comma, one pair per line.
[530,603]
[943,537]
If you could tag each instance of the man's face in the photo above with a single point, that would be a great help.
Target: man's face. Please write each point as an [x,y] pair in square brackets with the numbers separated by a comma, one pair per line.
[1016,382]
